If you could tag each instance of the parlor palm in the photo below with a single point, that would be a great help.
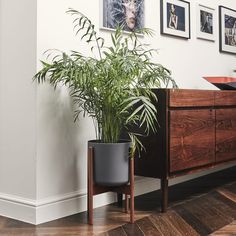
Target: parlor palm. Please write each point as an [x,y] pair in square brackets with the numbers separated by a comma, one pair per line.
[114,88]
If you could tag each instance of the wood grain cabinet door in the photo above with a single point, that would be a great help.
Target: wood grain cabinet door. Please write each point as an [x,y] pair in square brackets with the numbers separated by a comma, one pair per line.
[225,134]
[191,98]
[192,138]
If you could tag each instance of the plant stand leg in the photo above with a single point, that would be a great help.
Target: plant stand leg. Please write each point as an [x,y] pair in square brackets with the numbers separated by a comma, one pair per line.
[164,194]
[90,186]
[119,199]
[126,203]
[132,189]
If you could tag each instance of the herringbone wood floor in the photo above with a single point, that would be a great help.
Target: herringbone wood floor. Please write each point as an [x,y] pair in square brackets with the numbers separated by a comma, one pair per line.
[204,206]
[213,213]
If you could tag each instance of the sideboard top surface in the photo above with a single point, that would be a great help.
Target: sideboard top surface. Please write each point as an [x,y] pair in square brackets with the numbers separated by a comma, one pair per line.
[198,97]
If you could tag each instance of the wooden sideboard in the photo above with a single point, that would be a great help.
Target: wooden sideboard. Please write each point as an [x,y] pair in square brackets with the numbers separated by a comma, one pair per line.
[197,130]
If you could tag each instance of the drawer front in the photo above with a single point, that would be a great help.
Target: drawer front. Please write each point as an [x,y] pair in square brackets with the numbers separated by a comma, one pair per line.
[192,139]
[225,98]
[225,134]
[190,98]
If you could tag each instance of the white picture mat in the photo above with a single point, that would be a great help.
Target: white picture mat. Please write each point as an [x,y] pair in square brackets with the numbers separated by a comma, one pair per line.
[201,34]
[167,30]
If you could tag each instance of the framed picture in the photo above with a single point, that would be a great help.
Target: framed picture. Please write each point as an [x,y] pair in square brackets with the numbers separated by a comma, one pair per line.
[175,18]
[206,23]
[127,13]
[227,30]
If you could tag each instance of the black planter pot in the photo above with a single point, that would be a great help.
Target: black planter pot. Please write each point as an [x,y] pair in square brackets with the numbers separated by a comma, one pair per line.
[111,162]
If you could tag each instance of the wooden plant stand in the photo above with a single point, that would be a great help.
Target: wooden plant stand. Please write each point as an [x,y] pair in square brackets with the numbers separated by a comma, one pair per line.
[93,189]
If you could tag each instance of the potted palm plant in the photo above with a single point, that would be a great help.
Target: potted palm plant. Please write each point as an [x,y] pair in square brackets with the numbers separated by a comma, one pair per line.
[114,89]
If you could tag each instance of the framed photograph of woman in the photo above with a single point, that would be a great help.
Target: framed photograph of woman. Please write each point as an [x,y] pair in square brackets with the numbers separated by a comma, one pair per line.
[175,18]
[206,23]
[127,13]
[227,18]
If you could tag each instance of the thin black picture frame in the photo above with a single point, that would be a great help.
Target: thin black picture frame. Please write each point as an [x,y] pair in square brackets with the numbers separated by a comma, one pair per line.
[175,33]
[223,47]
[210,36]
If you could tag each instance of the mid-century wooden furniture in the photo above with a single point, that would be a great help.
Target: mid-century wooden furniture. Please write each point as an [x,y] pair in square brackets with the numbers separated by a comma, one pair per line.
[197,131]
[94,189]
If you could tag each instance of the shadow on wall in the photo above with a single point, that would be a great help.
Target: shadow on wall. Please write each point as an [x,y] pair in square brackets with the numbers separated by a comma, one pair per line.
[62,144]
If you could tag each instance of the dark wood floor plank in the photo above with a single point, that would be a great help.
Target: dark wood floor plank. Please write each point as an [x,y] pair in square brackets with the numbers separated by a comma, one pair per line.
[63,234]
[132,229]
[231,187]
[3,221]
[117,232]
[225,200]
[192,220]
[148,228]
[79,230]
[163,225]
[18,224]
[229,194]
[17,231]
[183,228]
[207,214]
[229,230]
[222,209]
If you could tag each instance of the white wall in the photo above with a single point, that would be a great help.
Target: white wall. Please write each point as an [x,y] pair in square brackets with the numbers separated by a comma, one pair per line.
[17,108]
[42,152]
[17,98]
[61,152]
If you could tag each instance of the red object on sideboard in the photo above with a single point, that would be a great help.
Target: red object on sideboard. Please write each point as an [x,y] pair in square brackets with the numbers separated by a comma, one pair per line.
[223,83]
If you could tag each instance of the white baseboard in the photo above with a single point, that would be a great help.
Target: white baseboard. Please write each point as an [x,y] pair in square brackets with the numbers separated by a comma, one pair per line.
[52,210]
[18,208]
[44,210]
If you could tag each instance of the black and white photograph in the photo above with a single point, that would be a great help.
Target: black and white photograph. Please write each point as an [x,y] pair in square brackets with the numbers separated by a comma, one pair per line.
[206,25]
[126,13]
[206,22]
[175,18]
[227,30]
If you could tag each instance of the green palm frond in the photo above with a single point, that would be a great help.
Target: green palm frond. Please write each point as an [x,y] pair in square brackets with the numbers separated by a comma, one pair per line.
[115,89]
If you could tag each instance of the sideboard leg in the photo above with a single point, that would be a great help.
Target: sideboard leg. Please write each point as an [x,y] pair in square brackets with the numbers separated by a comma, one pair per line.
[164,194]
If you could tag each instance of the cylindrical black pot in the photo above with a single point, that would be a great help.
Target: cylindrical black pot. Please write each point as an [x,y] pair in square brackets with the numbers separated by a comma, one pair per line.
[111,162]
